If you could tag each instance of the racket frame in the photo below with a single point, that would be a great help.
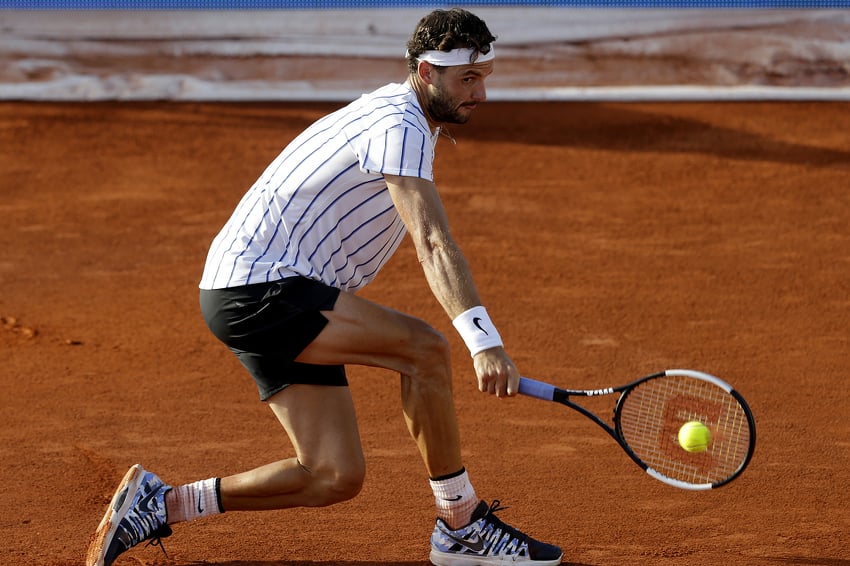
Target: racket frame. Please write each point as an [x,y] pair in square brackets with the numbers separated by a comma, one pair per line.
[548,392]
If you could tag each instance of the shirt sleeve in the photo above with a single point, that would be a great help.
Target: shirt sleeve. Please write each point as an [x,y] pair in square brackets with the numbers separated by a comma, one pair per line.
[401,150]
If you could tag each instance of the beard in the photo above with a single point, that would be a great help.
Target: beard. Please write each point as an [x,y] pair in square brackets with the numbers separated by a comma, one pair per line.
[443,109]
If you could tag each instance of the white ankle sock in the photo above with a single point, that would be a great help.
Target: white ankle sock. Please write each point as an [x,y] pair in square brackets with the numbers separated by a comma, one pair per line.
[194,500]
[455,498]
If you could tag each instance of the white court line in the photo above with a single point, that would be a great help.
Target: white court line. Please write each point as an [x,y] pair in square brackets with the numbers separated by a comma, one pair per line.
[186,88]
[673,93]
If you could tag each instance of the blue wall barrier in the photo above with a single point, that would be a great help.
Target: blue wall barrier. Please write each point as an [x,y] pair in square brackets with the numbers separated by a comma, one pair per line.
[372,4]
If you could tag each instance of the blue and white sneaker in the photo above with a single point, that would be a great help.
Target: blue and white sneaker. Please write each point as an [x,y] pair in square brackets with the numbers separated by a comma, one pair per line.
[487,541]
[136,514]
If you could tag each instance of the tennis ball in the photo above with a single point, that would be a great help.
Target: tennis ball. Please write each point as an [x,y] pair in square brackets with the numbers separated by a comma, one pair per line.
[694,436]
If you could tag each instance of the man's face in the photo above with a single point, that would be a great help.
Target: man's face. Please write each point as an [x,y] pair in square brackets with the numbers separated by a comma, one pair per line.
[456,91]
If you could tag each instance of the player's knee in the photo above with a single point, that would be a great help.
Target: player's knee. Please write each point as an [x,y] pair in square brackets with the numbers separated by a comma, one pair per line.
[342,484]
[430,368]
[348,485]
[431,349]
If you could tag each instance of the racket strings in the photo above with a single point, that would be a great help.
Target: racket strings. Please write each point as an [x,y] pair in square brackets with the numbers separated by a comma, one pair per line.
[650,415]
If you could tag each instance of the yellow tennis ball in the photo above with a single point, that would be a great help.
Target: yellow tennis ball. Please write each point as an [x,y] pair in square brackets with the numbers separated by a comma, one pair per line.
[694,436]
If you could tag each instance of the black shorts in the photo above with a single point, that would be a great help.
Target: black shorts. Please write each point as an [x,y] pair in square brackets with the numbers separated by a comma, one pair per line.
[267,325]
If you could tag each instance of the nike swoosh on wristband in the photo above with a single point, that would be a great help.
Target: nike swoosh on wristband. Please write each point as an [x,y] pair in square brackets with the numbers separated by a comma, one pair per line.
[477,322]
[200,503]
[476,545]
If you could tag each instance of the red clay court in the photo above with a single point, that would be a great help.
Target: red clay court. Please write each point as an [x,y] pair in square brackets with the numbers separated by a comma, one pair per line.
[609,240]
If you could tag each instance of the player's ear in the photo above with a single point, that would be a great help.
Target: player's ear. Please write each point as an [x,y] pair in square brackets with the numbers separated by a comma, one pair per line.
[425,70]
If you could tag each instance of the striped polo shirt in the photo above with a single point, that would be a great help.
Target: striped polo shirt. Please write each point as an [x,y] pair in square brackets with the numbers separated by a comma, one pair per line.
[322,209]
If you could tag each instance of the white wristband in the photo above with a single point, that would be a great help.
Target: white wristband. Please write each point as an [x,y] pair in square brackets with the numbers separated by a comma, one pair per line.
[477,330]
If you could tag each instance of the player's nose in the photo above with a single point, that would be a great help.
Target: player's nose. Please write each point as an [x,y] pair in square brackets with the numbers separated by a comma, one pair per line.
[479,93]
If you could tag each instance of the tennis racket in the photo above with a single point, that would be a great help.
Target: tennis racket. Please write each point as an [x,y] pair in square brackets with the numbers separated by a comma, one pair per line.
[649,413]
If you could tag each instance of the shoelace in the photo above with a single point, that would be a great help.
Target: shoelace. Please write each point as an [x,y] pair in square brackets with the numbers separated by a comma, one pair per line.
[158,535]
[515,533]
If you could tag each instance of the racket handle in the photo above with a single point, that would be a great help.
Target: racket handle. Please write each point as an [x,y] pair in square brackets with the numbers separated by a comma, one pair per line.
[538,389]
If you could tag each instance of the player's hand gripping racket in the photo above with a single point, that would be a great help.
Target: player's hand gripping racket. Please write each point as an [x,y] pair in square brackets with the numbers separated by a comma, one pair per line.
[649,414]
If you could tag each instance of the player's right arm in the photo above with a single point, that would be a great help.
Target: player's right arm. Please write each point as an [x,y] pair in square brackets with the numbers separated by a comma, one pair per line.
[447,271]
[445,266]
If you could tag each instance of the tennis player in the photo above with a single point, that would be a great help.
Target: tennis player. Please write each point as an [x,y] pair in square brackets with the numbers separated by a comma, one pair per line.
[279,288]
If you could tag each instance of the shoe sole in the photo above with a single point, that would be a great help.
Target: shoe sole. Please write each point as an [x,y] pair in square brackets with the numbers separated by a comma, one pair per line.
[116,511]
[448,559]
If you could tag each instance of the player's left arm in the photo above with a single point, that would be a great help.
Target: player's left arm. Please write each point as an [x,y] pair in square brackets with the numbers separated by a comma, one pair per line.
[447,271]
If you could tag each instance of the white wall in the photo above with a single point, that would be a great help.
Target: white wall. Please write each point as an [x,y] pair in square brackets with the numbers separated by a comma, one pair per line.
[336,54]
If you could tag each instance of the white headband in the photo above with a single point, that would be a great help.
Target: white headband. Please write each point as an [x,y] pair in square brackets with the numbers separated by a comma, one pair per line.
[456,57]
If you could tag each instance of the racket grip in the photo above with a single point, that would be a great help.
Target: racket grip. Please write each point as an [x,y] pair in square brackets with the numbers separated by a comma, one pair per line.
[537,389]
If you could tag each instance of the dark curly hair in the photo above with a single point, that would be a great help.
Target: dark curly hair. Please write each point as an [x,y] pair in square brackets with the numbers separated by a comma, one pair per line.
[444,30]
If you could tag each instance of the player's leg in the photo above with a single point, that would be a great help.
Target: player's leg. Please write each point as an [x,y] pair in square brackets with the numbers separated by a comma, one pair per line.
[320,420]
[328,463]
[364,333]
[328,466]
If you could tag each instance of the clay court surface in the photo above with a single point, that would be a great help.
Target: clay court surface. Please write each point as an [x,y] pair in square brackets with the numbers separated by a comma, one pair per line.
[609,241]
